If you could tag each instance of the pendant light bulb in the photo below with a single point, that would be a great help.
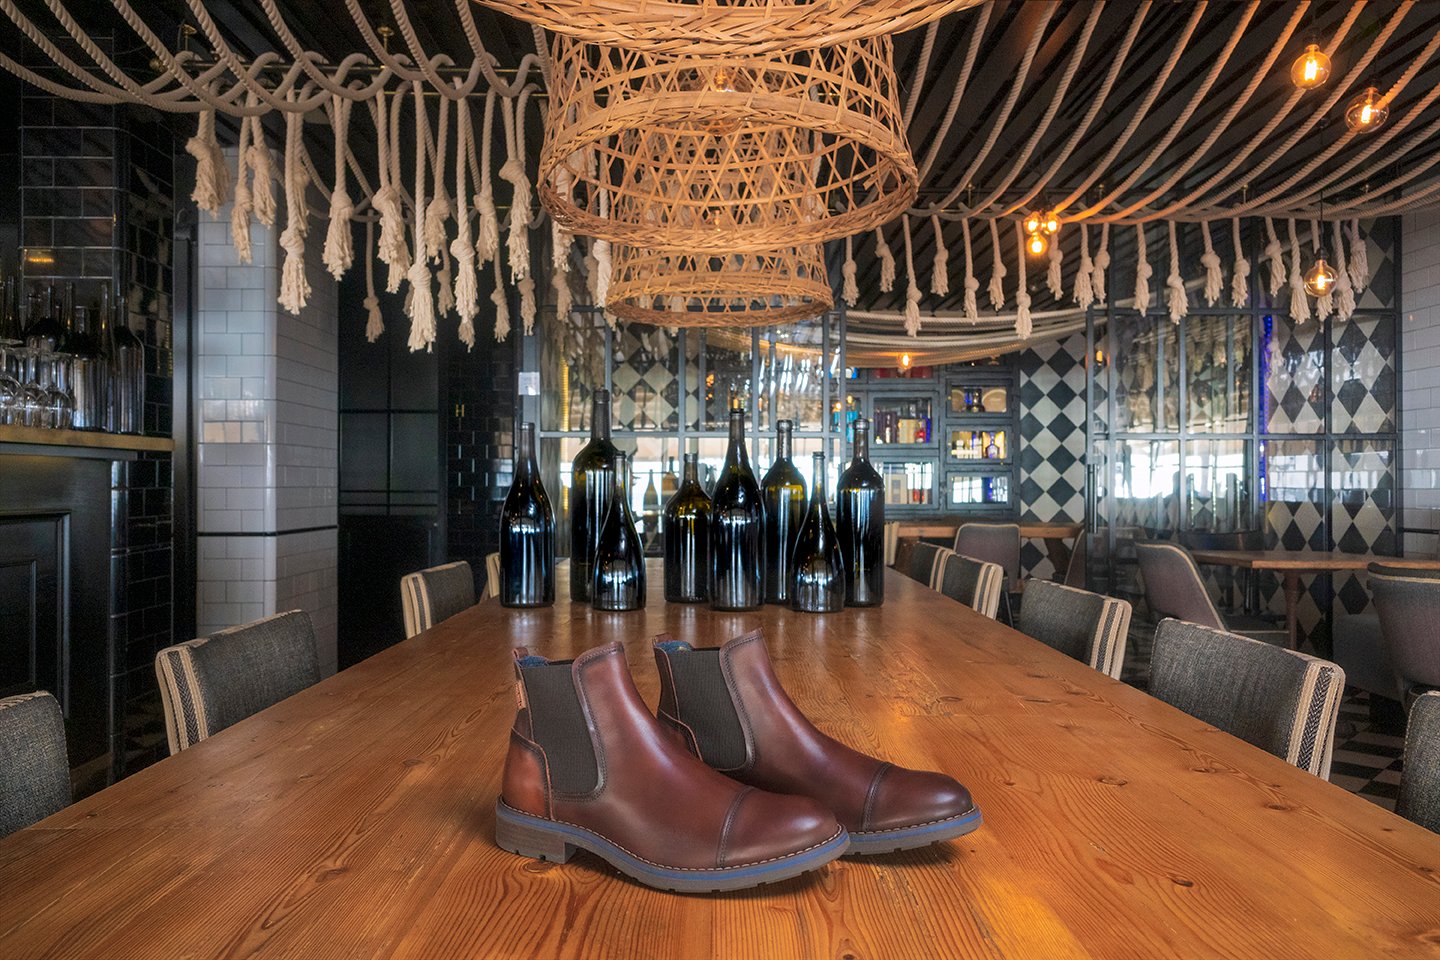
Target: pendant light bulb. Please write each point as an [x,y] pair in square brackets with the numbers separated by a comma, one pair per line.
[1321,279]
[1367,111]
[1311,69]
[904,361]
[1033,223]
[1036,244]
[1052,224]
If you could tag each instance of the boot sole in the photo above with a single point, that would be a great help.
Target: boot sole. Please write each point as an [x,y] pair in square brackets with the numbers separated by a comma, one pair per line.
[542,839]
[908,838]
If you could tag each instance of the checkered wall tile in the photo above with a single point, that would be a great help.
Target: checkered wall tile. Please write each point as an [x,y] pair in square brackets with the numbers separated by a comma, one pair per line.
[1381,242]
[1052,441]
[1294,376]
[1362,375]
[646,388]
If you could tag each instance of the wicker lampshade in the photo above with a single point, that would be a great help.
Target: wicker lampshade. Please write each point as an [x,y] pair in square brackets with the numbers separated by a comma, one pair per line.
[739,290]
[724,154]
[727,26]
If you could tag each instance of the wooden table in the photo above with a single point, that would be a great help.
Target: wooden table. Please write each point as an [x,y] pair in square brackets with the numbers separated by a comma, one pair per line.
[1291,564]
[1055,535]
[355,819]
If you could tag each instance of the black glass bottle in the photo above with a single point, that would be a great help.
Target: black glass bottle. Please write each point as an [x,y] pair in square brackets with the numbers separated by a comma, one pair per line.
[527,533]
[783,490]
[619,577]
[737,529]
[686,532]
[818,582]
[592,486]
[860,524]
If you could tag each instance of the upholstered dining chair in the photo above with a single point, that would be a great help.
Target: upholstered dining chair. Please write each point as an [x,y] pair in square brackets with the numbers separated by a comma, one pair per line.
[435,594]
[1282,701]
[972,582]
[1408,603]
[997,543]
[892,541]
[214,682]
[1173,588]
[492,574]
[1076,572]
[1080,624]
[34,770]
[1420,780]
[926,563]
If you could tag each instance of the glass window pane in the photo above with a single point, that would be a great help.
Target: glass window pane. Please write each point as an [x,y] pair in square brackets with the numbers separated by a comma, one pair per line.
[1146,481]
[644,378]
[979,399]
[1293,494]
[908,483]
[1362,480]
[979,489]
[1147,374]
[572,367]
[904,419]
[1217,354]
[792,375]
[1217,485]
[1293,372]
[980,444]
[1362,375]
[718,366]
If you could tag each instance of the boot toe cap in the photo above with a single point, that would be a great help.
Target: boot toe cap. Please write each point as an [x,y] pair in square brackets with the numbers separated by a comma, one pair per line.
[766,826]
[907,798]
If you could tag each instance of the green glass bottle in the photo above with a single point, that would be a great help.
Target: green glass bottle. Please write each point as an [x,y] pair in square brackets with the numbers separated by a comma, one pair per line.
[783,491]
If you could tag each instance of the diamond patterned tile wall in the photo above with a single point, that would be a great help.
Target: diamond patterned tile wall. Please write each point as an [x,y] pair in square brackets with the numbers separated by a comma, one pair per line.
[1052,441]
[1362,375]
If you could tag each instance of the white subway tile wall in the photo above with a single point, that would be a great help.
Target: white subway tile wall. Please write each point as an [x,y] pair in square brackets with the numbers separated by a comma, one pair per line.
[1420,401]
[268,437]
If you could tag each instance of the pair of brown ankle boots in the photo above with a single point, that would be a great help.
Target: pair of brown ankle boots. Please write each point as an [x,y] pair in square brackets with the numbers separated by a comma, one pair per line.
[729,788]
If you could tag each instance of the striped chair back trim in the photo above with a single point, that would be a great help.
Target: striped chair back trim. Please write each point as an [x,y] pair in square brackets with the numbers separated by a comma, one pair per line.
[1078,623]
[988,589]
[419,602]
[937,567]
[975,583]
[1312,739]
[1107,651]
[186,720]
[492,574]
[892,541]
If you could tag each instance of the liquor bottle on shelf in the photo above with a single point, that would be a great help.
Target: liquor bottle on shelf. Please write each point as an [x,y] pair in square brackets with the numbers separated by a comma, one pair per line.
[819,578]
[619,561]
[992,450]
[860,523]
[527,533]
[686,532]
[89,364]
[592,485]
[737,529]
[127,374]
[783,490]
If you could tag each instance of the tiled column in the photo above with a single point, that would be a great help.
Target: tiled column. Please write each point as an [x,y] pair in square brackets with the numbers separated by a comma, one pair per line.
[269,437]
[1420,403]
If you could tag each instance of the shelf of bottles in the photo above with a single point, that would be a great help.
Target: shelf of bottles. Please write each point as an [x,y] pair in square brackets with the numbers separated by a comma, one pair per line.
[67,366]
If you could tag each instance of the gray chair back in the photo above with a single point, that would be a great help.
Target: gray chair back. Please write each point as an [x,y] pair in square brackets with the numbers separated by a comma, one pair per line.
[34,770]
[972,582]
[209,684]
[492,574]
[1281,701]
[1420,781]
[1408,603]
[1078,623]
[993,543]
[926,563]
[436,594]
[1173,587]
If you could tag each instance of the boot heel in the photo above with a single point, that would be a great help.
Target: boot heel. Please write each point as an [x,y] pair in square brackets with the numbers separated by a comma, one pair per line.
[531,841]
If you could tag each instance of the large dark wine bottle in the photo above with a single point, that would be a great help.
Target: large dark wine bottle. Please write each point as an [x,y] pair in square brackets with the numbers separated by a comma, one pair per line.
[687,539]
[527,533]
[592,486]
[737,529]
[860,524]
[783,490]
[619,564]
[818,582]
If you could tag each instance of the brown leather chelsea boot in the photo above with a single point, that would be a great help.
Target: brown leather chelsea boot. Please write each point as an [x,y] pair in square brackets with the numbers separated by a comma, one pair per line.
[731,711]
[590,767]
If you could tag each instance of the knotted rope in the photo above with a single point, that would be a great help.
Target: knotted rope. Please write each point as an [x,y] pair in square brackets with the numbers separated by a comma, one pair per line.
[1084,288]
[972,283]
[439,209]
[212,176]
[940,265]
[1299,305]
[294,286]
[392,250]
[1102,264]
[1240,281]
[1175,300]
[1344,290]
[240,209]
[1210,260]
[849,288]
[513,172]
[1274,257]
[912,289]
[1142,271]
[1024,323]
[1052,272]
[1325,303]
[338,254]
[887,261]
[502,305]
[262,166]
[1359,259]
[467,281]
[487,234]
[422,300]
[374,321]
[997,269]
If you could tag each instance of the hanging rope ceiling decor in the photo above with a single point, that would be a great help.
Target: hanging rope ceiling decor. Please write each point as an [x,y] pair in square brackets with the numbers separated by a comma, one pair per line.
[727,153]
[701,290]
[710,27]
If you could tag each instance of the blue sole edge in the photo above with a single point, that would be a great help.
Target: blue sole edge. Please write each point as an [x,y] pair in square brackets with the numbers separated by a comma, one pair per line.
[908,838]
[678,880]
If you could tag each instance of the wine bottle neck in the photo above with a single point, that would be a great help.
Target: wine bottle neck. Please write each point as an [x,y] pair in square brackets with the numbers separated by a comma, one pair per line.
[862,441]
[525,447]
[818,486]
[784,442]
[692,469]
[600,418]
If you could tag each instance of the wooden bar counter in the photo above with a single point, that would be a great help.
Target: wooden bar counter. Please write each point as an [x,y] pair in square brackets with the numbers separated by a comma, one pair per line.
[356,819]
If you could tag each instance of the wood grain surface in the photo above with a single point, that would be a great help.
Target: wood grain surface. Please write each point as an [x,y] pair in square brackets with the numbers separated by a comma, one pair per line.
[356,819]
[10,433]
[1307,561]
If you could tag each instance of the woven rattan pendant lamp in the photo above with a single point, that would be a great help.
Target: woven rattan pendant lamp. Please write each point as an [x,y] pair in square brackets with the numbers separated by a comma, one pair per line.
[709,27]
[739,290]
[724,154]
